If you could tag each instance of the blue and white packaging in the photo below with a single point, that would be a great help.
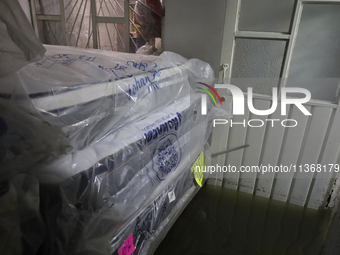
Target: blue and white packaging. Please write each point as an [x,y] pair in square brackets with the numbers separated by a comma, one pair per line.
[81,95]
[98,202]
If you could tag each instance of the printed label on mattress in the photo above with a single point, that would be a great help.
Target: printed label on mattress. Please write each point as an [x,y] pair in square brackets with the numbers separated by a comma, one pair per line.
[127,247]
[142,81]
[161,126]
[166,156]
[197,168]
[172,196]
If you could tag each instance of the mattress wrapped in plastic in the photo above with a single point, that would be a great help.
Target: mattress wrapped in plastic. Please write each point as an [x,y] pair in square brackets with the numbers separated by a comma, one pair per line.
[75,97]
[128,172]
[151,218]
[130,147]
[111,133]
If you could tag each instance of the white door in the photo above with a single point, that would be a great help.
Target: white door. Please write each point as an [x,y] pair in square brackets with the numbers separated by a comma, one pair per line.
[275,43]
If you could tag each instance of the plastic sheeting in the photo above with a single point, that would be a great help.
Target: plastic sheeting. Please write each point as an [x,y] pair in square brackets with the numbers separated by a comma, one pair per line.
[152,218]
[161,213]
[21,226]
[133,145]
[82,95]
[107,135]
[100,205]
[100,232]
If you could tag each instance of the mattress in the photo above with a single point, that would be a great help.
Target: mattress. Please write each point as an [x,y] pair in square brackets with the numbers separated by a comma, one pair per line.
[128,170]
[150,218]
[139,209]
[131,147]
[158,209]
[79,96]
[113,133]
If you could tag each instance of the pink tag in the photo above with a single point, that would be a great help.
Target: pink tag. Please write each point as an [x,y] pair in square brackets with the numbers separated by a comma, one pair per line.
[127,247]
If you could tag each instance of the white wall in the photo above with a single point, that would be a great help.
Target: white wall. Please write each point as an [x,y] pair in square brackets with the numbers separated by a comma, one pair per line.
[194,29]
[315,140]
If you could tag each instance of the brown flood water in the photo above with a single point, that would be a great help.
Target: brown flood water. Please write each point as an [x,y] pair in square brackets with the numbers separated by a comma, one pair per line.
[223,221]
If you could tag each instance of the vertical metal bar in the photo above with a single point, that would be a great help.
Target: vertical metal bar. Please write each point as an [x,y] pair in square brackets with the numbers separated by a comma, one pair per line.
[81,23]
[127,25]
[291,44]
[107,29]
[230,27]
[92,32]
[115,25]
[228,41]
[97,22]
[34,17]
[62,22]
[204,105]
[94,24]
[89,31]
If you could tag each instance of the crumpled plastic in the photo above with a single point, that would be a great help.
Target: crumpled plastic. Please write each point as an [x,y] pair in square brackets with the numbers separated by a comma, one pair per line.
[21,226]
[114,198]
[105,133]
[147,49]
[80,96]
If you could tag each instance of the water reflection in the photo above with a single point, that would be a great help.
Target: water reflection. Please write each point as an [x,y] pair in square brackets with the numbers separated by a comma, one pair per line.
[222,221]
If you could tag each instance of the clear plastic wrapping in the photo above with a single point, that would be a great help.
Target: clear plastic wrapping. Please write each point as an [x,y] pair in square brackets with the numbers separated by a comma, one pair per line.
[97,204]
[108,136]
[81,96]
[21,226]
[133,144]
[152,224]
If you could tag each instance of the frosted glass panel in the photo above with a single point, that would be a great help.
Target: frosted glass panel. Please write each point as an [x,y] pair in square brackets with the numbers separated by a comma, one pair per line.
[257,64]
[266,15]
[316,57]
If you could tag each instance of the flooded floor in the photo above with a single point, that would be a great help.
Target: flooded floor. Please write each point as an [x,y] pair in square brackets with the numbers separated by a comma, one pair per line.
[223,221]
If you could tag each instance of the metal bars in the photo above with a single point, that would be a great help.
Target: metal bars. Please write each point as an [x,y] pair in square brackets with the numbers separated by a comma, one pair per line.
[42,17]
[262,35]
[95,20]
